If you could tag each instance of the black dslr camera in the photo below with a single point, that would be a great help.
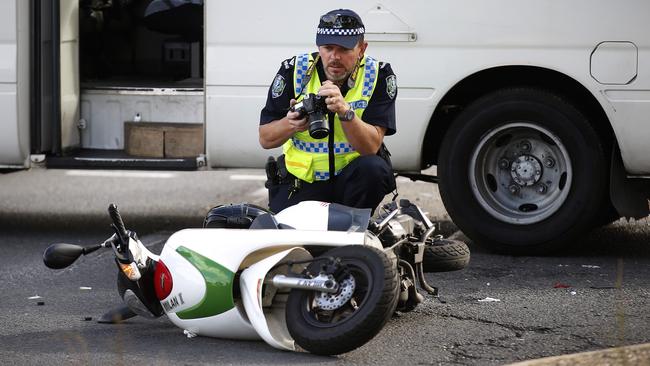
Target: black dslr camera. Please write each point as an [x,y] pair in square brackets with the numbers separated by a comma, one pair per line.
[314,108]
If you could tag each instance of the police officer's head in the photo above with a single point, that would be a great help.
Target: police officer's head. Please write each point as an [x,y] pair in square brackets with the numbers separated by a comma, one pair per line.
[340,42]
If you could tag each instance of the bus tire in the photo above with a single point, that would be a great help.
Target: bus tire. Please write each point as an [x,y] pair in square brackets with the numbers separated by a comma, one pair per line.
[522,171]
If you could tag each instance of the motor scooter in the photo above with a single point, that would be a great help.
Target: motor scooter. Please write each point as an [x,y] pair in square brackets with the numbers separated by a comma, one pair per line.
[321,276]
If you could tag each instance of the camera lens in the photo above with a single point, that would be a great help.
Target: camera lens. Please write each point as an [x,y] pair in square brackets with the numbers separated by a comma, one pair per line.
[318,126]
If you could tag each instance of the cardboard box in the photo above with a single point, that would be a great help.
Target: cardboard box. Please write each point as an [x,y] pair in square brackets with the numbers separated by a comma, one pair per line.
[163,140]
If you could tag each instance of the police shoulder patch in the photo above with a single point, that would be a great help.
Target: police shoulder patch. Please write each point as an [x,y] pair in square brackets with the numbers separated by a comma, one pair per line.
[391,86]
[278,86]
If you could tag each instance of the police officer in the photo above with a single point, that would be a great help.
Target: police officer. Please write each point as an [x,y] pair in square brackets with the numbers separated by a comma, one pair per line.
[350,166]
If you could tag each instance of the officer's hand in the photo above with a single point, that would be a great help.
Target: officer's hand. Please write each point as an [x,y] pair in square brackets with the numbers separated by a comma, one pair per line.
[295,121]
[335,101]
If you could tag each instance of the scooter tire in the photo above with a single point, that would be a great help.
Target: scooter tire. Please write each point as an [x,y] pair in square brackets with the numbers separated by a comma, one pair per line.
[445,255]
[350,327]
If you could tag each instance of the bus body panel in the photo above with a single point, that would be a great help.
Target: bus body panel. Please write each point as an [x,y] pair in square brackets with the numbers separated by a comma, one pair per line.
[454,39]
[13,134]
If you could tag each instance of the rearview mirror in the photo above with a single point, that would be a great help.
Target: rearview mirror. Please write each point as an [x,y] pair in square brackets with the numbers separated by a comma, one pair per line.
[61,255]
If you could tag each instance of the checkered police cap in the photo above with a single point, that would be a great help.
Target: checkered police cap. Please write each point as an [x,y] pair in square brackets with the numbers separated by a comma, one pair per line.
[341,27]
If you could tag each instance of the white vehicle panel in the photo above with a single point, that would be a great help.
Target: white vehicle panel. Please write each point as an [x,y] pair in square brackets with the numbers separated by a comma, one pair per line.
[186,278]
[10,149]
[454,39]
[231,246]
[264,320]
[8,60]
[188,281]
[229,324]
[294,216]
[12,137]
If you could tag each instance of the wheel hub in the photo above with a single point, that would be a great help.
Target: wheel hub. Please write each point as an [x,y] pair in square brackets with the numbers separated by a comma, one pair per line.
[519,173]
[332,301]
[526,170]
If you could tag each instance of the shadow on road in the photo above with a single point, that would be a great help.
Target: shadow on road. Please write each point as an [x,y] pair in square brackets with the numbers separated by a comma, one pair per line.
[619,239]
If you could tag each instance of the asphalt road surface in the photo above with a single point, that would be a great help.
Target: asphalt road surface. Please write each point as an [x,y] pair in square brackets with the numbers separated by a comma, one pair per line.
[584,299]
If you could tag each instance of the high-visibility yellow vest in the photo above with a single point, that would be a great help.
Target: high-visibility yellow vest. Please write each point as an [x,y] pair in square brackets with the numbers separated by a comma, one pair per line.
[308,158]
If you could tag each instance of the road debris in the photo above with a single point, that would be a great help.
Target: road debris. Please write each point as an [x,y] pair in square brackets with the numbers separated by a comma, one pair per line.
[85,288]
[589,266]
[489,299]
[40,303]
[561,285]
[189,334]
[35,297]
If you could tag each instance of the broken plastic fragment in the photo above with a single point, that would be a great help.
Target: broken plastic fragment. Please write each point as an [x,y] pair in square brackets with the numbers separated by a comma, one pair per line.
[489,299]
[573,292]
[85,288]
[189,334]
[34,297]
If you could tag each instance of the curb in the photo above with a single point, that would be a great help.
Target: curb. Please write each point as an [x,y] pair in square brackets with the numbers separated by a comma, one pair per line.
[629,355]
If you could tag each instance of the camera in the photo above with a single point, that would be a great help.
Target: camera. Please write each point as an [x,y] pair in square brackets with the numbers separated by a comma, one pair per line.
[314,108]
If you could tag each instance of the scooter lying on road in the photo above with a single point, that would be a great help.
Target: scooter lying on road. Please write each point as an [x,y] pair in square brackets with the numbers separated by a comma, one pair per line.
[323,276]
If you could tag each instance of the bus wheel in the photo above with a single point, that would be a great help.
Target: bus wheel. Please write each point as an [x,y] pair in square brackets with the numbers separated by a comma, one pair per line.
[522,171]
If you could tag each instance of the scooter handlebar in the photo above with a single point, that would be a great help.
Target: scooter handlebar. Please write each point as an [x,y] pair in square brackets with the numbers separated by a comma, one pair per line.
[117,221]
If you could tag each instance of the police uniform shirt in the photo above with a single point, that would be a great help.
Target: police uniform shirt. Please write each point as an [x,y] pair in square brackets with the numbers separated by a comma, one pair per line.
[379,112]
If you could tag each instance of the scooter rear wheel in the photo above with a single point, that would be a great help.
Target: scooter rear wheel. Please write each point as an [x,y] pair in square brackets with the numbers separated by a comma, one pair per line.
[445,255]
[359,316]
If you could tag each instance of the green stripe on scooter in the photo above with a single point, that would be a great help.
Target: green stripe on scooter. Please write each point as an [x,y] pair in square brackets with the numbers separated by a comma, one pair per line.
[218,286]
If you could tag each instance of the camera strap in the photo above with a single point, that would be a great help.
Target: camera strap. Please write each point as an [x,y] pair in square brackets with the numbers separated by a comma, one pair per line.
[330,146]
[330,117]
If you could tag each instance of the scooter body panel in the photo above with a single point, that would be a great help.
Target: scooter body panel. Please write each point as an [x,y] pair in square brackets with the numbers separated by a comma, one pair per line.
[231,324]
[203,263]
[264,304]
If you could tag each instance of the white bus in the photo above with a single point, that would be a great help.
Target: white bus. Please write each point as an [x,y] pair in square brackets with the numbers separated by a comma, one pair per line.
[536,112]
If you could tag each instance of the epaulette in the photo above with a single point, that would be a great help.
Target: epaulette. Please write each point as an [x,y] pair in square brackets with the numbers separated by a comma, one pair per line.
[288,63]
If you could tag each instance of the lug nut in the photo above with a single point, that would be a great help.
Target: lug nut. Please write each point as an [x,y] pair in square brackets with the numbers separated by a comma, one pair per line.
[549,162]
[541,189]
[525,145]
[513,188]
[504,163]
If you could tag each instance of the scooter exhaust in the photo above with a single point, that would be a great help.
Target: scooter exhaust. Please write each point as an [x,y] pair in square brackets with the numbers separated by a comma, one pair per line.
[322,283]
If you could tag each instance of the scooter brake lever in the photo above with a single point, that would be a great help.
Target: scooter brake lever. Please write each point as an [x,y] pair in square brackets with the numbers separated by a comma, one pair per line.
[121,248]
[116,239]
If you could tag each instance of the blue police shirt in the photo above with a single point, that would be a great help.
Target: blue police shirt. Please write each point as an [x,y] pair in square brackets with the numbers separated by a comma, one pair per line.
[379,112]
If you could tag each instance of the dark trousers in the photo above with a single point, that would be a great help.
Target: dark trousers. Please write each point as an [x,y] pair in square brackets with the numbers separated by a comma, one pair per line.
[362,184]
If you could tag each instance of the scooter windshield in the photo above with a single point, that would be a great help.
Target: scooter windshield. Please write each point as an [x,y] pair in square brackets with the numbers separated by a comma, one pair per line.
[344,218]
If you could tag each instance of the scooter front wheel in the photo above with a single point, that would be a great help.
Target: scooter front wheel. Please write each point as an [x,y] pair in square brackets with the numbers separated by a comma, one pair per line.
[331,324]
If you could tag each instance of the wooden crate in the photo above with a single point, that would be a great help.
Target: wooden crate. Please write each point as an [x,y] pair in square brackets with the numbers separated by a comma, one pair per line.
[163,140]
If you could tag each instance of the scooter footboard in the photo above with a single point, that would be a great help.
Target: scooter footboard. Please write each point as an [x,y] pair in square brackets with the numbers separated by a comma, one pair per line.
[265,303]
